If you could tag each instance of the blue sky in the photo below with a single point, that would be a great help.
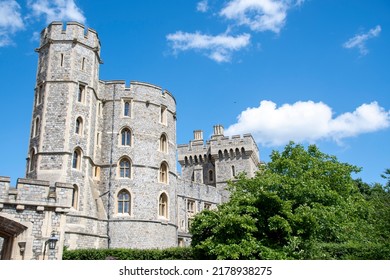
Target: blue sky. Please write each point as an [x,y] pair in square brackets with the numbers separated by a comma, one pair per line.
[311,71]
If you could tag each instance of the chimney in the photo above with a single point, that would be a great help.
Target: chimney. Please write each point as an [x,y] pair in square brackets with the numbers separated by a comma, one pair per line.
[218,130]
[198,135]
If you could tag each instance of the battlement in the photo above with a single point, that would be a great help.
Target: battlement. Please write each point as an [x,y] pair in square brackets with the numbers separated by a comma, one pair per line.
[29,192]
[70,31]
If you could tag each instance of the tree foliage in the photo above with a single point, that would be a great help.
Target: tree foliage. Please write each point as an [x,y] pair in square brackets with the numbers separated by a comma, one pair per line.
[300,203]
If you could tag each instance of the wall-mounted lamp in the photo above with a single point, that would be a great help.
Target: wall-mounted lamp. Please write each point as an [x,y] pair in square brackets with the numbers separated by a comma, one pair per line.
[22,248]
[52,241]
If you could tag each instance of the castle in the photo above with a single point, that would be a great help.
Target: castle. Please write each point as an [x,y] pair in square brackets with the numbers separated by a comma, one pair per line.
[101,168]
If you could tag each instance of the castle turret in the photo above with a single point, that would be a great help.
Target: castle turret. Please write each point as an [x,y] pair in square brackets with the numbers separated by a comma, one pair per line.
[221,159]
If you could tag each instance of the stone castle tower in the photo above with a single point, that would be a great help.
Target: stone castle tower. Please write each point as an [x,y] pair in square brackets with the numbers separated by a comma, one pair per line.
[101,167]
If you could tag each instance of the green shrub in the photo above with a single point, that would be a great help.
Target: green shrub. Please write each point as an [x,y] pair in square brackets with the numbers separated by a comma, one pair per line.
[129,254]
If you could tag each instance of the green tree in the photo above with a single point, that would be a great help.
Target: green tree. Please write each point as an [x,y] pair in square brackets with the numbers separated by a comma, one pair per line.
[296,205]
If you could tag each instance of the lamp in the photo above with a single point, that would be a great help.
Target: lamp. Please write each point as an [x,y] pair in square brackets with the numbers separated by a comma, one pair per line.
[52,241]
[22,248]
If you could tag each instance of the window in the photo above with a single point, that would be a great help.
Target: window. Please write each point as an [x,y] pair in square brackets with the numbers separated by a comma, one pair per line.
[207,206]
[99,109]
[39,95]
[163,144]
[211,176]
[124,202]
[79,126]
[127,109]
[81,94]
[163,115]
[76,159]
[163,206]
[62,60]
[233,171]
[36,127]
[31,163]
[98,139]
[83,64]
[163,173]
[124,168]
[125,137]
[75,196]
[191,210]
[96,172]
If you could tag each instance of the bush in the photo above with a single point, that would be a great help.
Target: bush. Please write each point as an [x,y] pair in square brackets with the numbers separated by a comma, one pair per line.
[129,254]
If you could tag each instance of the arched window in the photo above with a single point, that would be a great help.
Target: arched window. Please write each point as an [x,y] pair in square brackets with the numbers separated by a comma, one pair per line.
[186,161]
[163,173]
[237,153]
[76,159]
[163,115]
[243,152]
[163,205]
[126,109]
[124,202]
[220,155]
[211,176]
[163,143]
[75,196]
[31,163]
[231,153]
[79,126]
[126,137]
[36,127]
[124,168]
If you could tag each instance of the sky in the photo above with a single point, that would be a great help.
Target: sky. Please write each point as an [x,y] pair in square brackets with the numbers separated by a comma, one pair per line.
[309,71]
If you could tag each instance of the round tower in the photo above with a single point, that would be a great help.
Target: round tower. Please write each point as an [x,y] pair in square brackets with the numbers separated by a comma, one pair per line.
[138,165]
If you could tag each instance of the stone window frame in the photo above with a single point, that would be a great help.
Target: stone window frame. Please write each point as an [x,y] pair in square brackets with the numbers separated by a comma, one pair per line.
[39,94]
[81,93]
[96,172]
[121,170]
[32,158]
[120,203]
[127,112]
[76,158]
[163,115]
[163,173]
[79,126]
[75,197]
[207,206]
[163,143]
[36,127]
[163,205]
[191,208]
[121,135]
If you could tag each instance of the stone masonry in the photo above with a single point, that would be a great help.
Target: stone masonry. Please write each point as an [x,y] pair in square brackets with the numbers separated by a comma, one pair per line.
[101,167]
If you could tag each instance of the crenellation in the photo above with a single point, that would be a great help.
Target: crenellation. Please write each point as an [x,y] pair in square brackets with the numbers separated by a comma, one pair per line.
[101,166]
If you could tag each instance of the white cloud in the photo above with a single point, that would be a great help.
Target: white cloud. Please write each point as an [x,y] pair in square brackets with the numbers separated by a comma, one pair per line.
[56,10]
[202,6]
[10,21]
[219,48]
[359,41]
[259,15]
[307,122]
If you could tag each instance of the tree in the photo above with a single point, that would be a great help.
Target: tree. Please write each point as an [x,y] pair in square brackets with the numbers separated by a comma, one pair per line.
[298,203]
